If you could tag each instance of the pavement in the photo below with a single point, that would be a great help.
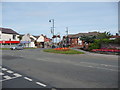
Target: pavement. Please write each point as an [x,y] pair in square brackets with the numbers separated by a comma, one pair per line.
[92,53]
[60,71]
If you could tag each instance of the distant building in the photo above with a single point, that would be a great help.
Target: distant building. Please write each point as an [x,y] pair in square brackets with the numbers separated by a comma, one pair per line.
[42,41]
[114,37]
[8,37]
[75,41]
[28,40]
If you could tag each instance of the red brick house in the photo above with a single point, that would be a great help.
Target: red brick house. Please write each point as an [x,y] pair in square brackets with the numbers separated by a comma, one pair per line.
[73,40]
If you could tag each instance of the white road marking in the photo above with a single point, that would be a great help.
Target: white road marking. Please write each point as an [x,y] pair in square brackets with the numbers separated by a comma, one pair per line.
[4,69]
[104,65]
[17,75]
[109,65]
[7,77]
[10,71]
[107,69]
[27,78]
[90,66]
[41,84]
[1,73]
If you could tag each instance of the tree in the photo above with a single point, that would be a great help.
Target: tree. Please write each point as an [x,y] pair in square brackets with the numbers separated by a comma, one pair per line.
[88,39]
[104,35]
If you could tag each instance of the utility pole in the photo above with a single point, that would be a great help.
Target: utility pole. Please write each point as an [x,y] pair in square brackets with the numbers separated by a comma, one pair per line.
[67,41]
[52,29]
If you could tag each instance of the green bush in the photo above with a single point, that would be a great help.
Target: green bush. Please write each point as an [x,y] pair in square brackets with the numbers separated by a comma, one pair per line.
[117,41]
[97,43]
[94,46]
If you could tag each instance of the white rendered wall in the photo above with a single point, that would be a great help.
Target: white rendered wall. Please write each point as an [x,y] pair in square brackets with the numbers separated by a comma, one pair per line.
[40,39]
[7,37]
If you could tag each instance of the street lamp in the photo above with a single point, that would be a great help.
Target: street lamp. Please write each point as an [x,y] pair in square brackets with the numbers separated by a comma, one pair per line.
[52,29]
[67,41]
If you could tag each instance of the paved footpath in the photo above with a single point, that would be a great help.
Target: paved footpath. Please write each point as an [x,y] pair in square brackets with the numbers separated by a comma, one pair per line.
[96,54]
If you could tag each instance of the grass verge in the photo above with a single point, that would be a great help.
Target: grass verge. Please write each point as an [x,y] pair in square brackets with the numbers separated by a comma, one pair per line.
[10,49]
[63,52]
[29,48]
[4,48]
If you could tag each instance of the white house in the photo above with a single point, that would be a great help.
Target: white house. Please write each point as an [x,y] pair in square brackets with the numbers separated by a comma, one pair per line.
[40,41]
[8,37]
[28,40]
[41,38]
[7,34]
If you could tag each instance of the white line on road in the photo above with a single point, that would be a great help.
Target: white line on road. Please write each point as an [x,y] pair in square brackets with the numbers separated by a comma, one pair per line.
[1,73]
[107,69]
[27,78]
[108,65]
[17,75]
[41,84]
[7,77]
[4,69]
[90,66]
[10,71]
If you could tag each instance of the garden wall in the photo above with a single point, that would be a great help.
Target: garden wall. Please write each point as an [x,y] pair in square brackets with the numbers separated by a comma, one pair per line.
[110,45]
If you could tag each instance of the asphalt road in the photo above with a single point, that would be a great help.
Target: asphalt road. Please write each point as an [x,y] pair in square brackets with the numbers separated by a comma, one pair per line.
[62,71]
[13,79]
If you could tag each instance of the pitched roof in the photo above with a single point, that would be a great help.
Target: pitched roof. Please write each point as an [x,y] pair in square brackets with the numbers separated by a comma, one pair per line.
[8,31]
[115,36]
[83,34]
[36,36]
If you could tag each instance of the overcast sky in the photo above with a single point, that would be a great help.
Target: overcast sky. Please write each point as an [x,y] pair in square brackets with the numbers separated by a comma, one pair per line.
[33,17]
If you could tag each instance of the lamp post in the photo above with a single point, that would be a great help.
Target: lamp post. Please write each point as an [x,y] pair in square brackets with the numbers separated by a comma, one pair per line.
[52,29]
[67,41]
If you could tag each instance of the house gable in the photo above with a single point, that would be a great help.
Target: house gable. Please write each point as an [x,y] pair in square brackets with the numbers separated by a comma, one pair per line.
[41,39]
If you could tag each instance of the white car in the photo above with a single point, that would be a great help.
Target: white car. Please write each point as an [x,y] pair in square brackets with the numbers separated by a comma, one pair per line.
[18,47]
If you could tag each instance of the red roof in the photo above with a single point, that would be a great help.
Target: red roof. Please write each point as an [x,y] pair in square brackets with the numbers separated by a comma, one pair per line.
[47,39]
[115,36]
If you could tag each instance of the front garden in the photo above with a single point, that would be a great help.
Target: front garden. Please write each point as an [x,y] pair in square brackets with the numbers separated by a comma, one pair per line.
[103,44]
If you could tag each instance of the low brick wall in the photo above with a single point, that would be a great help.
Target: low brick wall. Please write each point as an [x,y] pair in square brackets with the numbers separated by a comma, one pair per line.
[110,46]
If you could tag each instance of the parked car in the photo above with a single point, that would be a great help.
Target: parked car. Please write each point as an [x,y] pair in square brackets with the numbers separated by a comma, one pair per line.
[18,47]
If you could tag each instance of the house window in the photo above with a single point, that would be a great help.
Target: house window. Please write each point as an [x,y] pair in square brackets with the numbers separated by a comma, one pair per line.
[14,36]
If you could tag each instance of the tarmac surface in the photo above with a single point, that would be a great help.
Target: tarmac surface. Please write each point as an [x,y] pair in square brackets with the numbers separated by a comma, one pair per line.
[58,70]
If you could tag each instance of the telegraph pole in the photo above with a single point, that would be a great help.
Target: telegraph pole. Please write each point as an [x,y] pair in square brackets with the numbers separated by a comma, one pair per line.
[52,20]
[67,41]
[67,31]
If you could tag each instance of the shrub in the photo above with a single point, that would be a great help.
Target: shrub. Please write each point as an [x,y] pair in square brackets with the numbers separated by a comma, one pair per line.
[94,46]
[97,43]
